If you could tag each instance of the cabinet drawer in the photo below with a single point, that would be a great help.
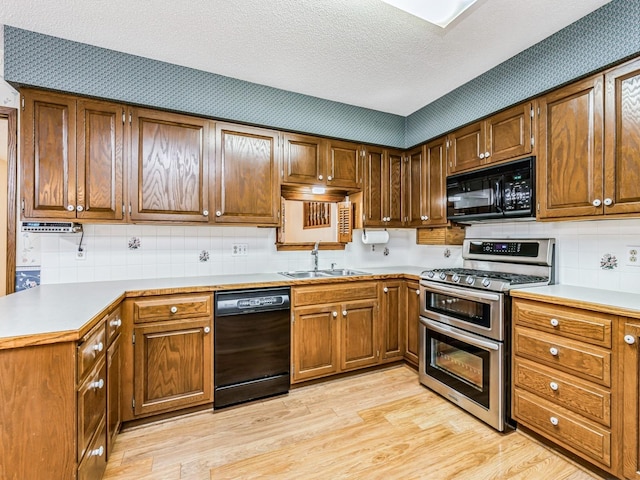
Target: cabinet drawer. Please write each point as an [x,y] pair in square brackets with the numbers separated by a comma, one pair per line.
[336,293]
[586,361]
[90,349]
[92,405]
[561,389]
[114,325]
[591,327]
[571,431]
[94,463]
[172,308]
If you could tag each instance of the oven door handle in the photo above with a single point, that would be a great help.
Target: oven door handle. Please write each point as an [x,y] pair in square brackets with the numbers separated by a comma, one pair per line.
[463,293]
[457,335]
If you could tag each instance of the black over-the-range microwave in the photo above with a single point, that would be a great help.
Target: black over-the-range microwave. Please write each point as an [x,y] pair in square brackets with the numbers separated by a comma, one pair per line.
[503,192]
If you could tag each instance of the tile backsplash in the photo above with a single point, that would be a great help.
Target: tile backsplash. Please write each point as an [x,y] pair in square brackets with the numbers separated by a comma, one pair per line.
[589,253]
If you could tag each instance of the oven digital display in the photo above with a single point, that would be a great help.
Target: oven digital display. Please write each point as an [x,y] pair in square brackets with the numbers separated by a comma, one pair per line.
[511,249]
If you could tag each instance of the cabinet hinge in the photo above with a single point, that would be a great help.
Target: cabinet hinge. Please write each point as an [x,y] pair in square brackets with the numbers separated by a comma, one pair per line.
[538,110]
[533,141]
[293,368]
[23,205]
[129,208]
[538,207]
[23,104]
[447,143]
[129,118]
[124,118]
[133,338]
[133,403]
[123,210]
[278,214]
[532,114]
[377,353]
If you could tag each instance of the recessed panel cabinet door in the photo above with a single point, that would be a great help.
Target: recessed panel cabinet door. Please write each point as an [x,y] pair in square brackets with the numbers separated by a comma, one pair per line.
[436,153]
[416,178]
[169,168]
[631,400]
[360,346]
[246,175]
[622,141]
[412,319]
[100,148]
[569,179]
[315,346]
[376,187]
[395,188]
[304,159]
[344,168]
[508,134]
[467,144]
[48,177]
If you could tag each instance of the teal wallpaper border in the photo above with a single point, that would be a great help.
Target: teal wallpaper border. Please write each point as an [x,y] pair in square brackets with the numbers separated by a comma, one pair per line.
[606,36]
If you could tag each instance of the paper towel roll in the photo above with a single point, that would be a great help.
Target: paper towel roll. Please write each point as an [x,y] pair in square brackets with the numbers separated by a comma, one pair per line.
[370,237]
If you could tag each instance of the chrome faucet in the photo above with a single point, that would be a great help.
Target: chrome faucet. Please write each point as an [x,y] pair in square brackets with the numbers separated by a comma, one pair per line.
[314,252]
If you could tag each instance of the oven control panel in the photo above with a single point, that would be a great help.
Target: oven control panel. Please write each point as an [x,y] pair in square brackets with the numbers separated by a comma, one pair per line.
[511,249]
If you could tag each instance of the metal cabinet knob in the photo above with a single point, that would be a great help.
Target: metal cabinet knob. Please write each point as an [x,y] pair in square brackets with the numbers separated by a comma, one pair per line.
[218,213]
[174,309]
[553,386]
[80,208]
[205,213]
[320,177]
[608,201]
[98,347]
[335,314]
[344,313]
[385,289]
[71,208]
[482,155]
[597,202]
[554,421]
[487,154]
[329,178]
[554,322]
[207,329]
[553,351]
[630,339]
[98,385]
[417,292]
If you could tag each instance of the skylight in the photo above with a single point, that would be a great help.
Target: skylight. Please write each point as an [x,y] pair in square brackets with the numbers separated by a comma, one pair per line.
[438,12]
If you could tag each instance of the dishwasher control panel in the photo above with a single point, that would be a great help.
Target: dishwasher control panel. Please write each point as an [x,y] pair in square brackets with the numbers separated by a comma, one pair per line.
[238,302]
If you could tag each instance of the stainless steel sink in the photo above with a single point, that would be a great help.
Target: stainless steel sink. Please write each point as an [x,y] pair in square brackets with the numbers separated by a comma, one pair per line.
[341,272]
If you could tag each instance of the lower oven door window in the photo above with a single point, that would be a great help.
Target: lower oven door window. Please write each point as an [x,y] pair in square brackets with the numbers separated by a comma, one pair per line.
[460,365]
[474,312]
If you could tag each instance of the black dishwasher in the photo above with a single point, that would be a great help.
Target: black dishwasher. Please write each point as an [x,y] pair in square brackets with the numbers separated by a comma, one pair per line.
[252,345]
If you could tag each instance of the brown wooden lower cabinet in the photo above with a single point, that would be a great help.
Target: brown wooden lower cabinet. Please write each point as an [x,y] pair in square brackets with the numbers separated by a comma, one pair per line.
[412,321]
[392,307]
[630,346]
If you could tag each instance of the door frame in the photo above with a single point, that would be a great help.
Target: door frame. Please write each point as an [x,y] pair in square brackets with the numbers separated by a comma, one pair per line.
[11,114]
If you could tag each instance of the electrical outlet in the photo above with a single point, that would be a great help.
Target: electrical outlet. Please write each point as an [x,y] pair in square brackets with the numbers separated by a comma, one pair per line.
[81,255]
[239,249]
[632,256]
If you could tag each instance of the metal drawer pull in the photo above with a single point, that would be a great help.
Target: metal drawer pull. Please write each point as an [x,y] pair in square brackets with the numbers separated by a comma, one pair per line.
[554,322]
[174,309]
[98,347]
[553,351]
[630,339]
[553,386]
[207,329]
[554,421]
[97,385]
[97,452]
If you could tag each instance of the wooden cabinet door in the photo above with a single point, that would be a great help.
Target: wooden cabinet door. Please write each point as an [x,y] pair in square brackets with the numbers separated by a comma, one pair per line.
[114,374]
[466,145]
[173,365]
[417,187]
[508,134]
[315,346]
[48,176]
[412,321]
[622,140]
[100,134]
[392,319]
[169,167]
[246,180]
[395,189]
[569,178]
[631,401]
[375,187]
[344,169]
[304,159]
[436,159]
[360,346]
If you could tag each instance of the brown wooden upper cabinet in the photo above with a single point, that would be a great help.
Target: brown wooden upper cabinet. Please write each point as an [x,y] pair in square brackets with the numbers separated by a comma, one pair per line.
[246,180]
[72,157]
[169,167]
[503,136]
[384,189]
[425,182]
[309,160]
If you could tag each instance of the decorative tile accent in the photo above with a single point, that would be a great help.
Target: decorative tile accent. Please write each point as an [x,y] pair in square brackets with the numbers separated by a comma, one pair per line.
[27,277]
[608,262]
[204,256]
[446,253]
[134,243]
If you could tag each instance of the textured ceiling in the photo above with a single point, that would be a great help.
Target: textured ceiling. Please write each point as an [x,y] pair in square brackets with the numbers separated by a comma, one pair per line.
[361,52]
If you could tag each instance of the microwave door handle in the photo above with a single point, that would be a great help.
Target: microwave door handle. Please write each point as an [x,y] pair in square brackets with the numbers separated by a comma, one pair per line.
[499,202]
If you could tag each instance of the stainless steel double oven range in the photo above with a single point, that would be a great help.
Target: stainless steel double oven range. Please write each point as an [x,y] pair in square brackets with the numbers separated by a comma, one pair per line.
[465,322]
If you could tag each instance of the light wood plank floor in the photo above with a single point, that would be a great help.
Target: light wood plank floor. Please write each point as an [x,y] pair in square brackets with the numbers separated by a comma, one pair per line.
[377,425]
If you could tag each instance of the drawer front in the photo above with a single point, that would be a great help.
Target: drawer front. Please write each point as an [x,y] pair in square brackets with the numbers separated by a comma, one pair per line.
[92,405]
[114,325]
[580,397]
[91,348]
[94,463]
[172,308]
[586,361]
[346,292]
[586,326]
[590,441]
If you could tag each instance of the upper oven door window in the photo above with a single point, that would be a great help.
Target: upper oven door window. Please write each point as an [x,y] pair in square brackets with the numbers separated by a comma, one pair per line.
[473,310]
